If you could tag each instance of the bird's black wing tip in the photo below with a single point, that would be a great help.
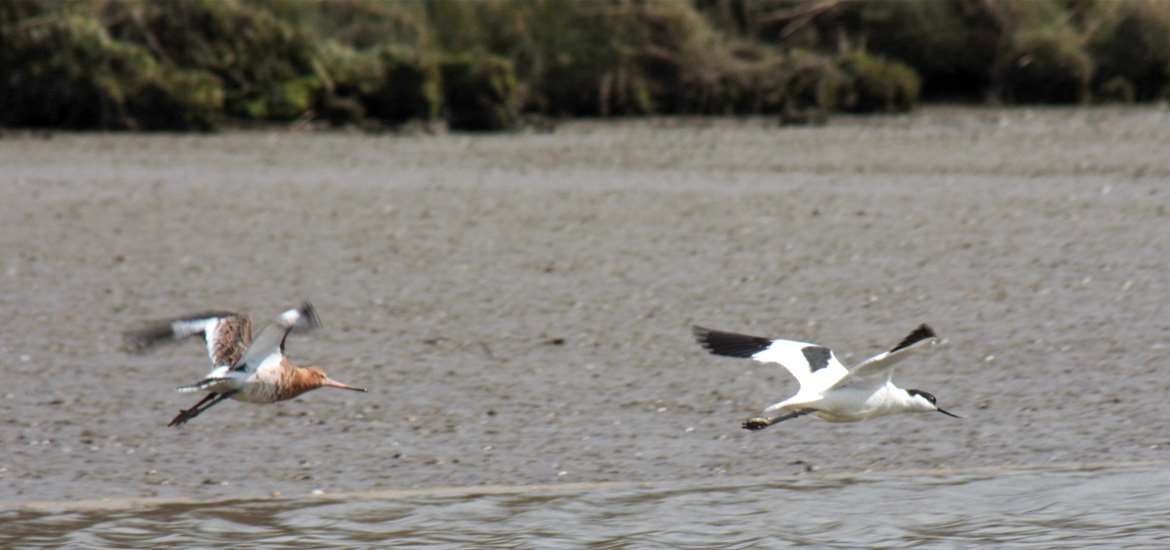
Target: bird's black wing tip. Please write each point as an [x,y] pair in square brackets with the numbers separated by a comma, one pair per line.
[702,334]
[310,314]
[729,343]
[143,339]
[923,332]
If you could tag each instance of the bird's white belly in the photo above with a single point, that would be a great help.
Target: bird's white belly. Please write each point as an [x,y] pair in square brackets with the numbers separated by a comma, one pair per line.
[852,405]
[261,386]
[837,417]
[256,393]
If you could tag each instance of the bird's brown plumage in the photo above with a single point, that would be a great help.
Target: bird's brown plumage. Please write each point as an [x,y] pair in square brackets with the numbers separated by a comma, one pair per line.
[233,336]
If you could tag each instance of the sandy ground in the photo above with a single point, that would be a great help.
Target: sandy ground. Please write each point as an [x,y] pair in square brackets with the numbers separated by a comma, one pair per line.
[520,305]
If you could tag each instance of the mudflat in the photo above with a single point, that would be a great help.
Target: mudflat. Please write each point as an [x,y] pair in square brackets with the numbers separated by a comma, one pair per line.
[520,305]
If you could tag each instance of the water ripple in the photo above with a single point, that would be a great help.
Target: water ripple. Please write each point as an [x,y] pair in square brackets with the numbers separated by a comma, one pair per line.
[1050,509]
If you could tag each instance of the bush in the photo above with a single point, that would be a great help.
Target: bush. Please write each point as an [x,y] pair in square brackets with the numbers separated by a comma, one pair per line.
[21,11]
[689,67]
[359,24]
[179,64]
[951,44]
[67,72]
[878,84]
[266,66]
[573,58]
[410,88]
[1134,44]
[178,100]
[814,82]
[750,80]
[615,57]
[1116,89]
[479,92]
[1047,66]
[389,84]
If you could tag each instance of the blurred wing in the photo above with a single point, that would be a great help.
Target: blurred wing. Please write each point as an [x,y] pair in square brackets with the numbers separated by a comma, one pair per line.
[271,339]
[225,334]
[813,366]
[882,364]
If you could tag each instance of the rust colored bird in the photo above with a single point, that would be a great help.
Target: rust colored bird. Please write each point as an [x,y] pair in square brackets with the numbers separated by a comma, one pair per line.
[254,371]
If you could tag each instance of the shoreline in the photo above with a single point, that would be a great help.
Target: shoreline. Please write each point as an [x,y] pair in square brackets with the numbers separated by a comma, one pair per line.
[124,504]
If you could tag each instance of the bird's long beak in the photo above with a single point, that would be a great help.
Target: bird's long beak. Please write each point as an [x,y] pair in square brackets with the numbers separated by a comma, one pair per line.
[948,414]
[331,383]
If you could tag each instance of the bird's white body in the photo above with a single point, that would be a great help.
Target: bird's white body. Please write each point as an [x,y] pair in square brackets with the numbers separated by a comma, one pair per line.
[854,404]
[828,389]
[259,385]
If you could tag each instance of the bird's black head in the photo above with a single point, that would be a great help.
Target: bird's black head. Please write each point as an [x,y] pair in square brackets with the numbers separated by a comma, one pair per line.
[933,401]
[925,395]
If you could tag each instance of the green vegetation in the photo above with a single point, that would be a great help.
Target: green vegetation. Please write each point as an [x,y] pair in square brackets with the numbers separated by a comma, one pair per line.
[1047,66]
[879,84]
[68,72]
[482,65]
[814,82]
[388,84]
[479,92]
[1132,42]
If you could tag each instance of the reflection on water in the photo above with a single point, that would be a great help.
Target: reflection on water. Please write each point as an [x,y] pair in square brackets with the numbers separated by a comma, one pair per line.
[1041,508]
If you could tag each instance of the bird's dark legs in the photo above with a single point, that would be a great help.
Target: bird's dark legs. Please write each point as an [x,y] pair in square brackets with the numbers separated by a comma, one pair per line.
[188,414]
[183,414]
[761,422]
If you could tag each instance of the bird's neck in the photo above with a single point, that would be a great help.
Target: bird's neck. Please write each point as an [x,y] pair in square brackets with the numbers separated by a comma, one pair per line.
[908,401]
[900,395]
[298,381]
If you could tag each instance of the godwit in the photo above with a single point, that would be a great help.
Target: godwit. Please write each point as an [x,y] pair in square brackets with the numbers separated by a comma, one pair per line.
[827,388]
[242,369]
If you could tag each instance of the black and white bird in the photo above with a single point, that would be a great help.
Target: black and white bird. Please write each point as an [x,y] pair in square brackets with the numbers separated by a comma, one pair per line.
[254,371]
[827,388]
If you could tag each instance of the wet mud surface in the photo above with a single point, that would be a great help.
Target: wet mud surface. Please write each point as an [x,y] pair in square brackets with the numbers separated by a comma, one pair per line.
[520,305]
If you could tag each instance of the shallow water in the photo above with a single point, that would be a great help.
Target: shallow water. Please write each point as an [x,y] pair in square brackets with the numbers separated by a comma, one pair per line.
[1049,508]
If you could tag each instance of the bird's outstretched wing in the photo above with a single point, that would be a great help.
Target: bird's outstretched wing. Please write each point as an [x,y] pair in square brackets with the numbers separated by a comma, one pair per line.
[815,367]
[226,334]
[271,339]
[883,363]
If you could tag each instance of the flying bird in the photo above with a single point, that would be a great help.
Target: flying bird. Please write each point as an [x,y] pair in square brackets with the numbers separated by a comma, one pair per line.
[827,388]
[255,371]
